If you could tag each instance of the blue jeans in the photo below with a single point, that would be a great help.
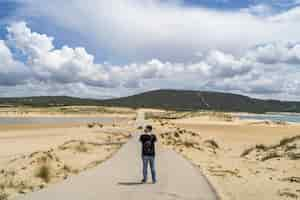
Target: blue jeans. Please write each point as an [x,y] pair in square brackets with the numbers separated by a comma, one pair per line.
[151,160]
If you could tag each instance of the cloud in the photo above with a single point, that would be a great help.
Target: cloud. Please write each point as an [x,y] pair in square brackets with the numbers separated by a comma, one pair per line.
[266,70]
[287,18]
[11,72]
[262,10]
[73,65]
[279,52]
[138,31]
[285,3]
[65,65]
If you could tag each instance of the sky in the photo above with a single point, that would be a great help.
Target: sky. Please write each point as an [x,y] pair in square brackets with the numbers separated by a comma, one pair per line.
[104,49]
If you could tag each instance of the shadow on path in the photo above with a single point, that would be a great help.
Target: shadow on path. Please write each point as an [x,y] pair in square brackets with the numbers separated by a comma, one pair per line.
[132,183]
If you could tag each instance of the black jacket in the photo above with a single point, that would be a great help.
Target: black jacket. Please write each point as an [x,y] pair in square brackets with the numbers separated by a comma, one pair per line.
[148,144]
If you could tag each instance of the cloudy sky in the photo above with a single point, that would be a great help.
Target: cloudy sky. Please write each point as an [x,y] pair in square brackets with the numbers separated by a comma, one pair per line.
[102,49]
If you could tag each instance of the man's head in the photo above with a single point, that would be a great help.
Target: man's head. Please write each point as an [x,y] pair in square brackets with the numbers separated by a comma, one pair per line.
[148,129]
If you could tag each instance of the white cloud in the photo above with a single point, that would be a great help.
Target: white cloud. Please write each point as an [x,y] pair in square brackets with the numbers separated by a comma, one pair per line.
[73,65]
[289,18]
[138,31]
[65,65]
[262,10]
[279,52]
[267,70]
[11,72]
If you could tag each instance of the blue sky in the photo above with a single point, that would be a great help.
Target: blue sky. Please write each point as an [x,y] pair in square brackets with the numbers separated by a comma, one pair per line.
[237,4]
[115,48]
[220,4]
[9,10]
[63,36]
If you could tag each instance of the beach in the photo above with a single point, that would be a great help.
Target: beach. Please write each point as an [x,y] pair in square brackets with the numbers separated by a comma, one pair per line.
[241,159]
[34,156]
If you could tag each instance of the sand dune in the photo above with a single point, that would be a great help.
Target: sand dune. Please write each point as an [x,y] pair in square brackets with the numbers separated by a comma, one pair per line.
[34,158]
[243,159]
[119,178]
[268,170]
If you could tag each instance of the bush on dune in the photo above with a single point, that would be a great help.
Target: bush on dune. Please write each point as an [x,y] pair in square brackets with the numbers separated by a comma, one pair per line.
[287,147]
[3,196]
[44,172]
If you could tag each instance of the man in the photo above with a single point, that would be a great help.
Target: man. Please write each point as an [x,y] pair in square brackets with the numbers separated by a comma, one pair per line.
[148,153]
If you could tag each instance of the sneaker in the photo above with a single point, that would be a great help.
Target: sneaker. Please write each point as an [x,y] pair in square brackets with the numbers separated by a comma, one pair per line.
[143,181]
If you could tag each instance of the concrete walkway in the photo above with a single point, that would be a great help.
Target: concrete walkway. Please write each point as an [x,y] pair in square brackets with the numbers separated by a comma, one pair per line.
[119,179]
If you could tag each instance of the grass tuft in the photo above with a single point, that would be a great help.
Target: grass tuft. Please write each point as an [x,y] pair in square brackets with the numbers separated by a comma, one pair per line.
[212,143]
[3,196]
[44,172]
[81,147]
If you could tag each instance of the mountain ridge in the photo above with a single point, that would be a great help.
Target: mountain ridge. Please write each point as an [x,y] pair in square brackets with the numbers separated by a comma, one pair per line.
[188,100]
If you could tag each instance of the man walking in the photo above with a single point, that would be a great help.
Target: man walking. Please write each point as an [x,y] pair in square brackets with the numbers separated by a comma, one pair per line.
[148,153]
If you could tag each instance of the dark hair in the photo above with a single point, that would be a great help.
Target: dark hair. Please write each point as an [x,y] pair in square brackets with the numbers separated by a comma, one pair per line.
[149,127]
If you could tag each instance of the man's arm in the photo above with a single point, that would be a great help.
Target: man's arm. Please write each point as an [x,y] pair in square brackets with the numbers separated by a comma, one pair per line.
[155,138]
[141,138]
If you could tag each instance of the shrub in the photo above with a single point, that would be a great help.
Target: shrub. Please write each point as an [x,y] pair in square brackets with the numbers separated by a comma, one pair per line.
[3,196]
[67,168]
[270,155]
[285,141]
[91,125]
[188,144]
[247,152]
[81,147]
[213,143]
[44,172]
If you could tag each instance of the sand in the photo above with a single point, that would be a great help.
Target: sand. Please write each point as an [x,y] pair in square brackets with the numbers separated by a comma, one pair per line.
[215,145]
[34,156]
[220,146]
[68,111]
[119,178]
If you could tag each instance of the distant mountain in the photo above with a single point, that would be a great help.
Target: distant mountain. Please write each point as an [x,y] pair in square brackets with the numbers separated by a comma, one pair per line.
[44,101]
[169,99]
[196,100]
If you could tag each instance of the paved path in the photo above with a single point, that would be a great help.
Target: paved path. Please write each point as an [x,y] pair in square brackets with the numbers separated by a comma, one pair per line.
[118,179]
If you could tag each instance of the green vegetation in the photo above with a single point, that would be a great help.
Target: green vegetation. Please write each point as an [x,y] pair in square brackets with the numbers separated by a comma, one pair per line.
[176,100]
[196,100]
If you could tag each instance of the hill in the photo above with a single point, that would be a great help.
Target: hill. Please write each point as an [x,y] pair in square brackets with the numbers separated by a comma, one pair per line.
[169,99]
[196,100]
[45,101]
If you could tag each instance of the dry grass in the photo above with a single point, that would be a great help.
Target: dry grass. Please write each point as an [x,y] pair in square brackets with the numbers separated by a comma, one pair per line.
[44,173]
[212,143]
[81,147]
[3,196]
[287,140]
[289,195]
[287,147]
[67,168]
[292,179]
[294,156]
[91,125]
[188,144]
[247,152]
[271,155]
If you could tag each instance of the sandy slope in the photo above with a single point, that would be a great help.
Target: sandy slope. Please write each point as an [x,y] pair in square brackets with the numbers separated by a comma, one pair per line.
[118,178]
[271,171]
[65,150]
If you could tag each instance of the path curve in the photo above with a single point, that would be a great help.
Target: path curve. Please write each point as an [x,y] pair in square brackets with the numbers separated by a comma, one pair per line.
[118,179]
